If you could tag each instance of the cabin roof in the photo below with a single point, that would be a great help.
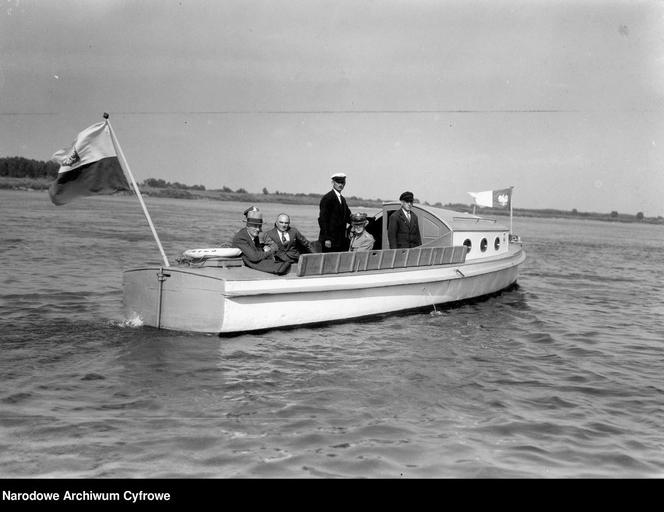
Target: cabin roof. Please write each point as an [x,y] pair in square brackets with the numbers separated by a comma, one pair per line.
[455,221]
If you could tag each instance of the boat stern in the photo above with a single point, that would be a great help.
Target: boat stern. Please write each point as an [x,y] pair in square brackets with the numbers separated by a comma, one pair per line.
[173,298]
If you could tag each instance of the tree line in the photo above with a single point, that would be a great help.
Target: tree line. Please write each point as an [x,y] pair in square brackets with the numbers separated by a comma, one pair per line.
[159,183]
[20,167]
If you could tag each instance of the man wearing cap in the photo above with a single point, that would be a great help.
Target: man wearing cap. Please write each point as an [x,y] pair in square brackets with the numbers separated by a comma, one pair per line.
[250,209]
[254,254]
[403,230]
[360,238]
[287,238]
[334,217]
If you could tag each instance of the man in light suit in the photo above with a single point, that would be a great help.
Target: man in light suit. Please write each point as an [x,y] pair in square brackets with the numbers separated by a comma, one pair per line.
[403,230]
[334,217]
[360,238]
[287,238]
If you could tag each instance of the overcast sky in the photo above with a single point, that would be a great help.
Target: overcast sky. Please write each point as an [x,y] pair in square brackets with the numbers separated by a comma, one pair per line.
[562,100]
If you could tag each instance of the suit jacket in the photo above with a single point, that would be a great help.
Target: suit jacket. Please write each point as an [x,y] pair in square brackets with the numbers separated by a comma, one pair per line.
[364,242]
[333,220]
[296,245]
[401,233]
[255,257]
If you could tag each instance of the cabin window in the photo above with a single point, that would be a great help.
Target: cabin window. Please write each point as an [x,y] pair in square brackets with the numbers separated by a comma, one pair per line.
[483,245]
[496,243]
[468,244]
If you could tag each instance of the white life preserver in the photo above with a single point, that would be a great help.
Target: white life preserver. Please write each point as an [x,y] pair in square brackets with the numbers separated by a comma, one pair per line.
[223,252]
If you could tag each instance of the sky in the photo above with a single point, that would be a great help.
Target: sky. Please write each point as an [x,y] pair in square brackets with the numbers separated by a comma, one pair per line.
[560,99]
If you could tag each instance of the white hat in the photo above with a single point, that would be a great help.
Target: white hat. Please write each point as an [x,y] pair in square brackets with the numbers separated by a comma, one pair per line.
[338,175]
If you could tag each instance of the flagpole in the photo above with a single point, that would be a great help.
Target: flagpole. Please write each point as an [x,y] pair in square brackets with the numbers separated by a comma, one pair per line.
[127,170]
[511,188]
[510,215]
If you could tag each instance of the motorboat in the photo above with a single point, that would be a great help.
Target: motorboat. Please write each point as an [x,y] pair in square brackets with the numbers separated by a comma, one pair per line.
[462,256]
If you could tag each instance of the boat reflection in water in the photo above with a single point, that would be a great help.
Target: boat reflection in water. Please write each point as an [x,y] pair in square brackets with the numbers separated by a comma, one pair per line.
[462,256]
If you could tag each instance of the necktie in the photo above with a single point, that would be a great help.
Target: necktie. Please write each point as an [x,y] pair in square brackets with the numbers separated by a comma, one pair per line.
[283,238]
[408,216]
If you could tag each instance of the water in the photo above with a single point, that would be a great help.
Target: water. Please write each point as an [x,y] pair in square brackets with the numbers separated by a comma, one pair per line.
[561,377]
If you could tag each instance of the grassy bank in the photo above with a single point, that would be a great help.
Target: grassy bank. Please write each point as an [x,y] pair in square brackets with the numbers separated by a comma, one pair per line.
[313,199]
[216,195]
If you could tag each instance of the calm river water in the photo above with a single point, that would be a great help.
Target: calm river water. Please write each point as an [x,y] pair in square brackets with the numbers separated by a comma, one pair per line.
[560,377]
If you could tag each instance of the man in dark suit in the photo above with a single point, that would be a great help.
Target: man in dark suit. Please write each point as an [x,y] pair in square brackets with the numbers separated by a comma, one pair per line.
[254,254]
[287,238]
[403,230]
[334,217]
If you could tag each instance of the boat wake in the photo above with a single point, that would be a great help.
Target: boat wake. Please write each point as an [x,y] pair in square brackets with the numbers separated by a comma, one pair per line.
[133,321]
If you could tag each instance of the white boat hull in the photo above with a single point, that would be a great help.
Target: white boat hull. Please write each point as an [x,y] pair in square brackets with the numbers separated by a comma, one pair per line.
[212,300]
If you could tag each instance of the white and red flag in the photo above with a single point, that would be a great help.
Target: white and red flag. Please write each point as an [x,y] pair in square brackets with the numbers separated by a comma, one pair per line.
[89,167]
[493,198]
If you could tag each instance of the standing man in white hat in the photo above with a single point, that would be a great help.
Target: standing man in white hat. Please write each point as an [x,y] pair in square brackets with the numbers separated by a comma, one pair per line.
[334,217]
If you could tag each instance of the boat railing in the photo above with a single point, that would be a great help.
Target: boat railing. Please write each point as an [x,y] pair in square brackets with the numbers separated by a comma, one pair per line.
[475,219]
[361,261]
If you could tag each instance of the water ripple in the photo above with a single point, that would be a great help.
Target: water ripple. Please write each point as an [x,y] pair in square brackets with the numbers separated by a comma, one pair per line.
[558,377]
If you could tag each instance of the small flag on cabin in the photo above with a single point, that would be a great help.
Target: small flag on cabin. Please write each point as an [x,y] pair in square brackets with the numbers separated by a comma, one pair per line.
[493,198]
[89,167]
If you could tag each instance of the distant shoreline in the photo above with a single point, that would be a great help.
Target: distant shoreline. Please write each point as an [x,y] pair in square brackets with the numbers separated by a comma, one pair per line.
[42,184]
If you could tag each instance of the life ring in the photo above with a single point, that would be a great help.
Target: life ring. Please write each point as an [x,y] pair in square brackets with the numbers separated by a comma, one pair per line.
[221,252]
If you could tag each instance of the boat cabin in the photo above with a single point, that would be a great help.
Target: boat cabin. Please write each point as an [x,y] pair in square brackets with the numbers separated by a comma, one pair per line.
[448,238]
[439,227]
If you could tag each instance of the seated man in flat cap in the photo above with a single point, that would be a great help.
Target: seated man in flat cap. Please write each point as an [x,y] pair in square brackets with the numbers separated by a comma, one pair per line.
[334,217]
[360,238]
[254,254]
[403,230]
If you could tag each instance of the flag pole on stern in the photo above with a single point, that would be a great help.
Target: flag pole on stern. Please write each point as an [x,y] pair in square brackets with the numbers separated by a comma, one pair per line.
[511,189]
[127,170]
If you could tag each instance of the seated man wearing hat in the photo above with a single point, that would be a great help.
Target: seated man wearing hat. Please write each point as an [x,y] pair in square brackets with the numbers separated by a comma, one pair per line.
[334,217]
[254,254]
[360,238]
[403,230]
